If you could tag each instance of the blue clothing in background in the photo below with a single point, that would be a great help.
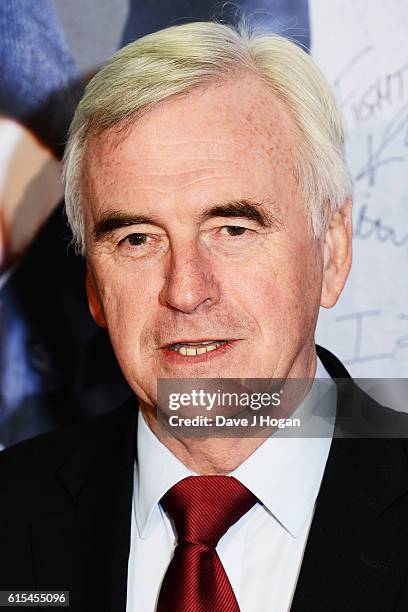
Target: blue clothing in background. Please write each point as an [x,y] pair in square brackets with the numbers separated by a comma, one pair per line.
[39,80]
[287,17]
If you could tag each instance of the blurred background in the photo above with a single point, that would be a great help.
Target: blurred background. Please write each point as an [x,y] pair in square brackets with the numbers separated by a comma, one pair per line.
[56,366]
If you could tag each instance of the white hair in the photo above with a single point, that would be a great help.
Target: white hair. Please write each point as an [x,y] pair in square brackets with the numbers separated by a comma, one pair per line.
[180,58]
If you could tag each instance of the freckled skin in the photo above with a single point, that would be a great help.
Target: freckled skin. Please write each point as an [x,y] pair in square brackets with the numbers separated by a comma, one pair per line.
[229,141]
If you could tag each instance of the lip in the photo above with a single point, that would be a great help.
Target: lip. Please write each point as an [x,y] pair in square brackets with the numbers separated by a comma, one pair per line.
[176,358]
[197,340]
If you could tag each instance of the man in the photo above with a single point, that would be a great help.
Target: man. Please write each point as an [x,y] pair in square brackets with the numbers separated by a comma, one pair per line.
[207,187]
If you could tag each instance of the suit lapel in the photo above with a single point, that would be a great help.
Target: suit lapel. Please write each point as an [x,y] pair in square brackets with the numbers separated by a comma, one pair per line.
[90,541]
[356,556]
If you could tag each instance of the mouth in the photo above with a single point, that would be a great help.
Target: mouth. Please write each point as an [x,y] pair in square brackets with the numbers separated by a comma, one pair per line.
[196,349]
[193,348]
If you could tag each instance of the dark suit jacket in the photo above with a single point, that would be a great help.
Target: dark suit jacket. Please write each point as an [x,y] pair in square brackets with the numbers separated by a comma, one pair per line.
[66,504]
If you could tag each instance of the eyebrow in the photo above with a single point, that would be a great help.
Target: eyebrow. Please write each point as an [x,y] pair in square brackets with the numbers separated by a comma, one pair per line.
[246,209]
[111,221]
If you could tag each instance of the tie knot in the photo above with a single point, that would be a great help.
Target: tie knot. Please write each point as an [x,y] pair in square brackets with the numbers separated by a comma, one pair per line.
[203,508]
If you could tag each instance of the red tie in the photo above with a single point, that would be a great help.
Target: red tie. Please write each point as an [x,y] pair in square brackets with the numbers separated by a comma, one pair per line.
[203,508]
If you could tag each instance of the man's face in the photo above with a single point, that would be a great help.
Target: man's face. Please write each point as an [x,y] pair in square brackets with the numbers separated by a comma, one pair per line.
[198,240]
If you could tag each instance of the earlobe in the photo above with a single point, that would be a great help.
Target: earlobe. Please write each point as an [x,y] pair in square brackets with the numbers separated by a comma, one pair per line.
[337,254]
[94,302]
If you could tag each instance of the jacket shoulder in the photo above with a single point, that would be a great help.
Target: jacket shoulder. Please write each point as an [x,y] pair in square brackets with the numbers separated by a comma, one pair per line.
[28,468]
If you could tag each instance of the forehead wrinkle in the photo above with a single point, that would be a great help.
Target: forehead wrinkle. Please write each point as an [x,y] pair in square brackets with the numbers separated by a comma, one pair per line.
[170,190]
[173,174]
[129,162]
[270,132]
[261,111]
[181,143]
[262,119]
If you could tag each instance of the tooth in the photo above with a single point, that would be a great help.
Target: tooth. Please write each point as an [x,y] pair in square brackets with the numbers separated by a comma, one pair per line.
[200,350]
[211,347]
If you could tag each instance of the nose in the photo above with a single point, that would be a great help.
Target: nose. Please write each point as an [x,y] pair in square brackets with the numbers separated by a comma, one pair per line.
[190,281]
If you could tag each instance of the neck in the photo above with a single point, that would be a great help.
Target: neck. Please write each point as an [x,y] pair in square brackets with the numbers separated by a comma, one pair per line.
[213,455]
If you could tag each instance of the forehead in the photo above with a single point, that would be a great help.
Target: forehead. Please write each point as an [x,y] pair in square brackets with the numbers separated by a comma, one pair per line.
[228,127]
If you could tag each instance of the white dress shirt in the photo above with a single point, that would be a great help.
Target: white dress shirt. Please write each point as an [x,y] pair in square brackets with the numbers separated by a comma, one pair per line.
[262,553]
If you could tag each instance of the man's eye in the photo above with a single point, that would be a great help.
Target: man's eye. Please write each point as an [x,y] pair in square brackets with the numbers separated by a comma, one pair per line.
[135,239]
[234,230]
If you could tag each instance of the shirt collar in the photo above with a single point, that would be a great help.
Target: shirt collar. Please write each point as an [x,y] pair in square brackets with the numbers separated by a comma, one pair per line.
[284,472]
[157,469]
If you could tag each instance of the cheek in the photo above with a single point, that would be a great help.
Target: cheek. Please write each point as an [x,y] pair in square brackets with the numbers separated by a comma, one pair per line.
[125,289]
[305,288]
[282,293]
[125,303]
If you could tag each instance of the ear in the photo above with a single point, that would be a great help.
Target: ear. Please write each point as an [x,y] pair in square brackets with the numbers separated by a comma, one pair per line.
[94,302]
[337,254]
